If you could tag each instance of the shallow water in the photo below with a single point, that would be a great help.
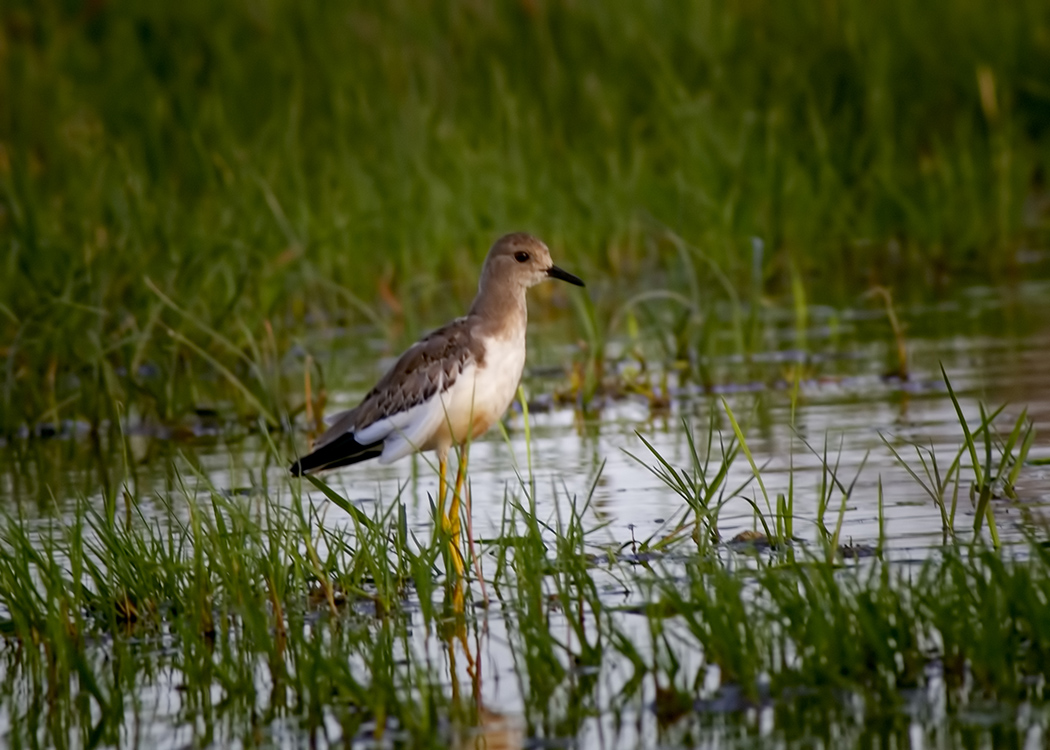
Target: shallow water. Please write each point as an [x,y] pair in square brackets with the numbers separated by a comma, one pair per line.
[844,403]
[993,343]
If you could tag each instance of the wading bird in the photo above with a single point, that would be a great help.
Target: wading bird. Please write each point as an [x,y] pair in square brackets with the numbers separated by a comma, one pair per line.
[452,385]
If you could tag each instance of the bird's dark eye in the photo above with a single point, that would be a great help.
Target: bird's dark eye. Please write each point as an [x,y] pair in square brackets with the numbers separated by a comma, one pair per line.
[521,256]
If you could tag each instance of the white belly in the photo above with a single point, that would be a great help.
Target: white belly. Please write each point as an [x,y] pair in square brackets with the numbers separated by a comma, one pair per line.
[481,395]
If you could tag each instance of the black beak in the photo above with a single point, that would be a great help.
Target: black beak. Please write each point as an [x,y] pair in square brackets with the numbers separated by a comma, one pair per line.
[556,273]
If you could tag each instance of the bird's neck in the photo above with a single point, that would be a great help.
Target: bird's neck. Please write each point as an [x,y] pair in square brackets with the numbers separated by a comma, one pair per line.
[501,310]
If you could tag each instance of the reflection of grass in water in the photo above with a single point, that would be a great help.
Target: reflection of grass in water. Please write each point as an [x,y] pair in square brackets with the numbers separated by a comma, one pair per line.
[287,616]
[298,163]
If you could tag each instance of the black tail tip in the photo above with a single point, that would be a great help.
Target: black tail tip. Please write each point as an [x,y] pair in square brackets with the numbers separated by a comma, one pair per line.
[296,469]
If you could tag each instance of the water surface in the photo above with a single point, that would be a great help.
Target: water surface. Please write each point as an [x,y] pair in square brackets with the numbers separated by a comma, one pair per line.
[800,393]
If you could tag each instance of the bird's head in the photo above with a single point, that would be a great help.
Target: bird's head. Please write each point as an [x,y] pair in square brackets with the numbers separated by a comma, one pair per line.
[524,261]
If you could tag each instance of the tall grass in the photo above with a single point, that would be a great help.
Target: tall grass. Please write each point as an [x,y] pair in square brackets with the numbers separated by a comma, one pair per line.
[265,167]
[261,612]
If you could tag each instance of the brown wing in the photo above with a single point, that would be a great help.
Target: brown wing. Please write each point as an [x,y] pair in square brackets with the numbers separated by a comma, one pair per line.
[435,360]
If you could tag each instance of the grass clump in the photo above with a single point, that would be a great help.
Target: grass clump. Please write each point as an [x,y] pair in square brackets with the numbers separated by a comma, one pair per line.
[256,610]
[263,603]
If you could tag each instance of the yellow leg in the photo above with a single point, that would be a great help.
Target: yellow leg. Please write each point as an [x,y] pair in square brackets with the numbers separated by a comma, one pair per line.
[449,522]
[457,495]
[463,493]
[457,588]
[453,524]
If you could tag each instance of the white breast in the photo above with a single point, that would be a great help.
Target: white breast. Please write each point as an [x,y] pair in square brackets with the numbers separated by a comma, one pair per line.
[481,395]
[497,380]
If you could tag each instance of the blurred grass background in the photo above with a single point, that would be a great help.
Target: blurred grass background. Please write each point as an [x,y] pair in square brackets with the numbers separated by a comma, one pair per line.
[240,172]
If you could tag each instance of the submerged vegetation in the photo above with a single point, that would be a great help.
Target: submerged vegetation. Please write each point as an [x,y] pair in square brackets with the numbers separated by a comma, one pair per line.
[186,189]
[238,615]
